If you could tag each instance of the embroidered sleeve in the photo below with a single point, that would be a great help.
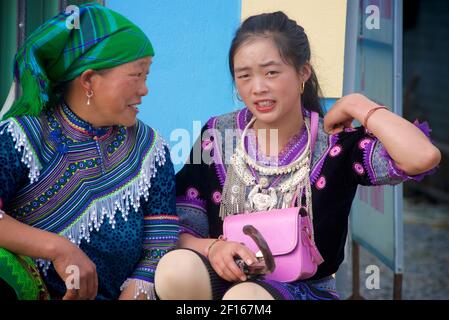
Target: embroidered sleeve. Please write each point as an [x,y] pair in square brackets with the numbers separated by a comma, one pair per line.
[370,163]
[161,227]
[192,186]
[13,168]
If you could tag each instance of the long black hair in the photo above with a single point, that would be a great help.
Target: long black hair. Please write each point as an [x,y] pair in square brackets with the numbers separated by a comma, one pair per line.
[293,46]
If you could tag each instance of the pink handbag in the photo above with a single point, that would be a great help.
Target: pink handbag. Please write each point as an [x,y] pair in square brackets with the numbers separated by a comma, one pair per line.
[288,235]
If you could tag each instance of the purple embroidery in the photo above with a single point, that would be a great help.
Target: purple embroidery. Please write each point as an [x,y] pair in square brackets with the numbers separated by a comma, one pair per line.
[364,142]
[358,168]
[218,163]
[216,197]
[335,151]
[186,229]
[190,202]
[394,173]
[192,193]
[207,144]
[367,154]
[321,183]
[319,164]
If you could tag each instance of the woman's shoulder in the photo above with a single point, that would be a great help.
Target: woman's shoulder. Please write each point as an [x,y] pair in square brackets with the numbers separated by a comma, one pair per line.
[227,120]
[19,120]
[154,137]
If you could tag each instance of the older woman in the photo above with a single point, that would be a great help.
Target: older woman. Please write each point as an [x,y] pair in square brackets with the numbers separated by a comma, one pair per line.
[87,190]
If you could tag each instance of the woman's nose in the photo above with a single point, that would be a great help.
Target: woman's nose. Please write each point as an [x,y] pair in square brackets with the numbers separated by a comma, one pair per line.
[143,90]
[259,86]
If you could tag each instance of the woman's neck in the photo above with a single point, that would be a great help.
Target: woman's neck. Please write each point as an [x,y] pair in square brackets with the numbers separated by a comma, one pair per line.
[84,113]
[273,137]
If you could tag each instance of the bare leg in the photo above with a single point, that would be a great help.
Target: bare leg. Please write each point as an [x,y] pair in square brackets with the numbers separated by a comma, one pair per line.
[181,275]
[247,291]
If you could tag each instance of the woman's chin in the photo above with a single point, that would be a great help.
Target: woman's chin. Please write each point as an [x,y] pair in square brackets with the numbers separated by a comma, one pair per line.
[267,118]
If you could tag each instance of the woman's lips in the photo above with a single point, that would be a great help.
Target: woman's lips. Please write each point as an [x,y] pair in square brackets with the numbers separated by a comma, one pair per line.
[265,105]
[134,107]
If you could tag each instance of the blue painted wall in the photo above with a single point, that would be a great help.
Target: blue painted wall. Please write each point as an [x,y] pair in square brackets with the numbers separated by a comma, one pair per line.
[189,78]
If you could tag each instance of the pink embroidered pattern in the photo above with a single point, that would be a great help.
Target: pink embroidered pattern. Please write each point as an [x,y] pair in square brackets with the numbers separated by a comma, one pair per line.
[358,168]
[335,151]
[363,143]
[192,193]
[206,144]
[216,197]
[321,183]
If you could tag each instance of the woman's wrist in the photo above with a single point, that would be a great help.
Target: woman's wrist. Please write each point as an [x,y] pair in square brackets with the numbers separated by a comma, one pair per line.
[212,244]
[55,246]
[358,106]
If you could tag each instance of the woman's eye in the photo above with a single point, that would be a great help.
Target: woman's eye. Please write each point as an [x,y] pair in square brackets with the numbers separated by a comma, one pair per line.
[243,76]
[272,73]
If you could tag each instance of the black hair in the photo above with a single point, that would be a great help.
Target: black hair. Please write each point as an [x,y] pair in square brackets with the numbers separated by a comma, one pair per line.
[293,46]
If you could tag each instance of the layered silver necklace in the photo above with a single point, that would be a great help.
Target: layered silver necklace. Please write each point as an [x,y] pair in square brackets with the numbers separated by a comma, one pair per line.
[245,192]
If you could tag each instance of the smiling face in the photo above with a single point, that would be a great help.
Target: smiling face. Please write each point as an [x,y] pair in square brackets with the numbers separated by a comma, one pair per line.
[118,92]
[269,87]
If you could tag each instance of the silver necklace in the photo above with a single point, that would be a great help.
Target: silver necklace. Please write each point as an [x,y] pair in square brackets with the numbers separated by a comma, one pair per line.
[262,198]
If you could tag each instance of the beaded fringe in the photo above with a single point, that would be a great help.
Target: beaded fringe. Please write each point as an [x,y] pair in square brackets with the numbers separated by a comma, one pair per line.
[22,144]
[123,199]
[141,286]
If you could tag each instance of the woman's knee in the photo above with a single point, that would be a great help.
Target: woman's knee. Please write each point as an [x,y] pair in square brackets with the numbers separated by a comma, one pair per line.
[181,274]
[247,291]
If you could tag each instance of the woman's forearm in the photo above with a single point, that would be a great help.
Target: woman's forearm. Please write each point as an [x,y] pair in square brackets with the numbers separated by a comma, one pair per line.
[22,239]
[408,146]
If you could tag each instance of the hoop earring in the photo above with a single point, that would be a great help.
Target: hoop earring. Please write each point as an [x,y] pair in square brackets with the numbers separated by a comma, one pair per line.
[237,95]
[89,95]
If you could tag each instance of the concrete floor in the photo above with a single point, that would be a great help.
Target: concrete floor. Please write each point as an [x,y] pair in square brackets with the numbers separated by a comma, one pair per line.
[426,258]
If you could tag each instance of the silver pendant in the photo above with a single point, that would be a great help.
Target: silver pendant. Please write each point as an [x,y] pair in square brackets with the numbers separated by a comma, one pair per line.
[261,201]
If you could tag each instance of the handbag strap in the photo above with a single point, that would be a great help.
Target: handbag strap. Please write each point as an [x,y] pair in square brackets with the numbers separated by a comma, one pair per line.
[314,118]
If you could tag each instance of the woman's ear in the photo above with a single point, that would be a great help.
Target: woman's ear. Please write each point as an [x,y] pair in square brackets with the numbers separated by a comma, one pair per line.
[305,72]
[86,79]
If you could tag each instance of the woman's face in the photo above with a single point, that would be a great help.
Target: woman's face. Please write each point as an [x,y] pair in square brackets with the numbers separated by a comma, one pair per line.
[269,87]
[118,92]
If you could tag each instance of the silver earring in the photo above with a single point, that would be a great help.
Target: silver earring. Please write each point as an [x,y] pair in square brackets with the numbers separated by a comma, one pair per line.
[237,95]
[89,95]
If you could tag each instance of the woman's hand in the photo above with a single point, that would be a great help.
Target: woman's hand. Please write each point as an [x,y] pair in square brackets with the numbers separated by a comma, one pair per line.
[69,255]
[221,256]
[345,110]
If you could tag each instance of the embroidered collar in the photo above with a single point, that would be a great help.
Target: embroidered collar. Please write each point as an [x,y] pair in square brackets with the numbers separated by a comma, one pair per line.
[289,153]
[80,125]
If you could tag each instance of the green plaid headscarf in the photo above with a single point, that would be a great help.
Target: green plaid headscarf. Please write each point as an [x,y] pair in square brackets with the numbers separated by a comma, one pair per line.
[55,53]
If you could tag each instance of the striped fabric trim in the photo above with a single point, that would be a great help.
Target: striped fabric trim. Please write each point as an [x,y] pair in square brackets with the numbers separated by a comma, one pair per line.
[160,236]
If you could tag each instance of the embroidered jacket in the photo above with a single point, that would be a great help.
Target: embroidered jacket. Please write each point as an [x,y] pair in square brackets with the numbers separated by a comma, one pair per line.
[340,163]
[108,190]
